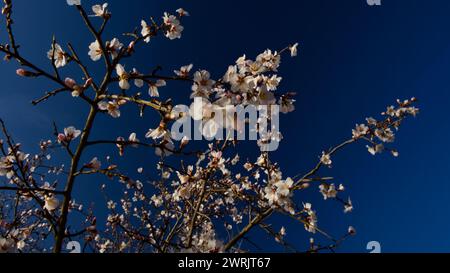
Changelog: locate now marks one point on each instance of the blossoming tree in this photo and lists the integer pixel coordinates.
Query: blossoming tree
(210, 205)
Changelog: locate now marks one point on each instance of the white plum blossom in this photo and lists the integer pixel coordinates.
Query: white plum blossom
(325, 159)
(239, 82)
(278, 193)
(95, 51)
(377, 149)
(184, 71)
(181, 12)
(287, 105)
(57, 54)
(328, 191)
(269, 60)
(183, 178)
(137, 81)
(360, 131)
(157, 201)
(385, 135)
(146, 31)
(170, 19)
(101, 10)
(202, 84)
(112, 107)
(294, 50)
(51, 203)
(183, 192)
(271, 82)
(113, 47)
(371, 121)
(271, 195)
(74, 2)
(262, 161)
(70, 133)
(159, 133)
(95, 164)
(7, 245)
(133, 138)
(265, 97)
(218, 162)
(311, 218)
(123, 77)
(284, 187)
(153, 88)
(173, 27)
(6, 166)
(348, 207)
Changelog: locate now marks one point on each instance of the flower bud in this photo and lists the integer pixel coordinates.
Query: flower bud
(184, 142)
(88, 83)
(62, 138)
(24, 73)
(70, 83)
(351, 231)
(76, 93)
(305, 186)
(131, 46)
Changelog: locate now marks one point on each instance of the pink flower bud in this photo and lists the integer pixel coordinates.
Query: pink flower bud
(88, 82)
(131, 46)
(120, 146)
(21, 72)
(24, 73)
(351, 231)
(70, 83)
(62, 138)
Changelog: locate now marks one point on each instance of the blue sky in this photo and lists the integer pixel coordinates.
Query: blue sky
(354, 60)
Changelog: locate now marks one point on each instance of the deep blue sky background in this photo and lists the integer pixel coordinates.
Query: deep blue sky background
(354, 60)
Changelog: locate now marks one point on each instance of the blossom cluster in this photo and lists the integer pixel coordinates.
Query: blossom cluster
(380, 133)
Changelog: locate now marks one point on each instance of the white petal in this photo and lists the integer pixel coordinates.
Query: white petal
(124, 84)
